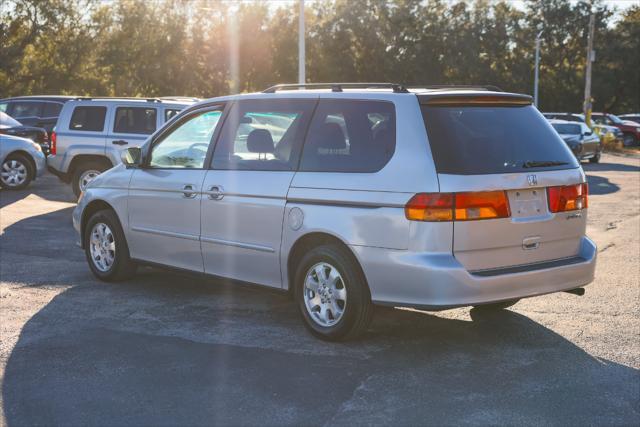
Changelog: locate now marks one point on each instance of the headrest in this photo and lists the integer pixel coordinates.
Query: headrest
(330, 137)
(260, 141)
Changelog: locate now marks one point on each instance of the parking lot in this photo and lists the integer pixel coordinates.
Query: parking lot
(172, 349)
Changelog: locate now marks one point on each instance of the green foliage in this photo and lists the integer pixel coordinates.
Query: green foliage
(182, 47)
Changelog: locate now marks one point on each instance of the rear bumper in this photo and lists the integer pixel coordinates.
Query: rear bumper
(41, 163)
(438, 281)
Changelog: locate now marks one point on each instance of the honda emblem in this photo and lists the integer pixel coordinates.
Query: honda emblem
(532, 179)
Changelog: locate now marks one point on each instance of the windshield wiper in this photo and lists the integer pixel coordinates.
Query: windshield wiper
(542, 163)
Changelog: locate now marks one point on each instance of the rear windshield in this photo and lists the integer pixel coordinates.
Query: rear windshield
(474, 140)
(566, 129)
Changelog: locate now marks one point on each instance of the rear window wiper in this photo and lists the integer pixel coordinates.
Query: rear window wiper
(542, 163)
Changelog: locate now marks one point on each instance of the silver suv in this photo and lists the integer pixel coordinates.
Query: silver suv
(351, 196)
(91, 133)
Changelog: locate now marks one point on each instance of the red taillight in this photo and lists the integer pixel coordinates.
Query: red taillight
(568, 197)
(430, 207)
(459, 206)
(54, 139)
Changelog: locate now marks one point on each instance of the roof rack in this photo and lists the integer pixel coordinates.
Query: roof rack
(459, 87)
(179, 98)
(89, 98)
(338, 87)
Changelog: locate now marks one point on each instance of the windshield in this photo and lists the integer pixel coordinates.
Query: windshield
(8, 121)
(615, 119)
(469, 140)
(566, 129)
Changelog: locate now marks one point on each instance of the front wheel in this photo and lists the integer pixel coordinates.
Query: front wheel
(106, 248)
(15, 172)
(628, 140)
(332, 294)
(595, 158)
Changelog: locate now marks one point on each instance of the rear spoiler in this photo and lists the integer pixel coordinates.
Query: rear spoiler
(475, 99)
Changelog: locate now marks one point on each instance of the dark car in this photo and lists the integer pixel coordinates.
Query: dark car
(38, 111)
(10, 126)
(630, 129)
(569, 117)
(582, 141)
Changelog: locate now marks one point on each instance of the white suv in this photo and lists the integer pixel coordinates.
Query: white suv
(350, 197)
(91, 132)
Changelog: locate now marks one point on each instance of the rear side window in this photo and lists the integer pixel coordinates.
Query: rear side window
(350, 136)
(51, 109)
(26, 109)
(170, 114)
(263, 135)
(135, 120)
(88, 119)
(470, 140)
(567, 129)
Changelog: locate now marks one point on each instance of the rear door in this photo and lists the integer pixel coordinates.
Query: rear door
(131, 125)
(493, 147)
(83, 128)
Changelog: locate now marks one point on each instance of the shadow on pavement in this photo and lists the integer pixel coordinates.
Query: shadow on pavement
(599, 185)
(610, 167)
(47, 187)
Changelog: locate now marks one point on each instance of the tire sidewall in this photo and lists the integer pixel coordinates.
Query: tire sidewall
(353, 280)
(27, 165)
(75, 184)
(122, 251)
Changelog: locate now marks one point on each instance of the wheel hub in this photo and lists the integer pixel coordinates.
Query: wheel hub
(325, 295)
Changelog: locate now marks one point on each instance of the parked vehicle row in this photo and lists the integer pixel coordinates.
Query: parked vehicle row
(626, 131)
(583, 142)
(10, 126)
(349, 196)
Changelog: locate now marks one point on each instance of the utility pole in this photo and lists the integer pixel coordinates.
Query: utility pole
(591, 56)
(301, 46)
(535, 84)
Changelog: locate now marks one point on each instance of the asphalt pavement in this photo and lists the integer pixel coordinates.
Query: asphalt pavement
(174, 349)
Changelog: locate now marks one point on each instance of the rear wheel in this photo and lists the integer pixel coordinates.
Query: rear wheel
(595, 158)
(106, 248)
(85, 173)
(15, 172)
(496, 305)
(628, 140)
(332, 294)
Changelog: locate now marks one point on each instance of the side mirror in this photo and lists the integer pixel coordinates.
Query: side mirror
(588, 133)
(131, 157)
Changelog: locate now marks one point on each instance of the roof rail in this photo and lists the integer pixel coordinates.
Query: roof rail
(90, 98)
(179, 98)
(338, 87)
(459, 87)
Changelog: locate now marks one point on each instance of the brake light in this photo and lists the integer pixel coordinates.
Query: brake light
(54, 139)
(459, 206)
(568, 197)
(482, 205)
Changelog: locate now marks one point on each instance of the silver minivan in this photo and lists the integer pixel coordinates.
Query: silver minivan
(350, 196)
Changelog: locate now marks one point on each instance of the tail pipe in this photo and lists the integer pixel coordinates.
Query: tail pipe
(576, 291)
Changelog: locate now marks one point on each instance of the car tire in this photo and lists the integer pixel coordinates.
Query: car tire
(595, 158)
(106, 248)
(628, 140)
(343, 281)
(84, 172)
(16, 172)
(496, 305)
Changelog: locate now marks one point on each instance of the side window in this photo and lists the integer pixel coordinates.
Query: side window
(26, 109)
(3, 106)
(263, 135)
(88, 119)
(51, 109)
(135, 120)
(170, 114)
(350, 136)
(186, 146)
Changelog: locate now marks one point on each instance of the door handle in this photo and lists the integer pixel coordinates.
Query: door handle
(188, 191)
(120, 142)
(215, 192)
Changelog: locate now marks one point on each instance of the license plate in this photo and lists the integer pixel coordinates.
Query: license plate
(528, 203)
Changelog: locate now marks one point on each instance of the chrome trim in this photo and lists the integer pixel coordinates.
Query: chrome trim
(165, 233)
(237, 244)
(354, 204)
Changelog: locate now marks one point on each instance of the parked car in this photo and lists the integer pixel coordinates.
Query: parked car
(349, 197)
(10, 126)
(630, 129)
(599, 128)
(583, 142)
(91, 133)
(38, 111)
(635, 117)
(569, 117)
(21, 161)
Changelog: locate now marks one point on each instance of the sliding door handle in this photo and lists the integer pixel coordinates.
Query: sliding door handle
(215, 192)
(120, 142)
